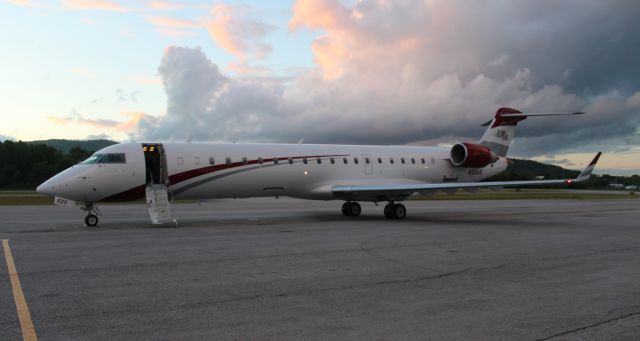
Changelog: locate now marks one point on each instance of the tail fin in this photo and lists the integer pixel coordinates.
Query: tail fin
(502, 128)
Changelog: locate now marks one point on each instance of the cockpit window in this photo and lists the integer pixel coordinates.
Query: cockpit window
(106, 158)
(92, 159)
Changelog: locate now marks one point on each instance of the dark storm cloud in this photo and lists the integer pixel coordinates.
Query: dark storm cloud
(410, 72)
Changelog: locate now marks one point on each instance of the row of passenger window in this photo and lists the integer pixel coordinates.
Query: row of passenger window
(318, 160)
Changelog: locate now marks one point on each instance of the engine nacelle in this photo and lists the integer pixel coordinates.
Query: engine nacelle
(470, 155)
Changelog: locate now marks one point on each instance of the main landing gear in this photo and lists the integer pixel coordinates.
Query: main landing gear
(92, 214)
(395, 211)
(351, 209)
(391, 210)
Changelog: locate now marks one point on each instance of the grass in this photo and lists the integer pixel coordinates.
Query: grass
(18, 198)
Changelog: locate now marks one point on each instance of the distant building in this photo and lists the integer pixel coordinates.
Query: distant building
(540, 177)
(631, 187)
(616, 185)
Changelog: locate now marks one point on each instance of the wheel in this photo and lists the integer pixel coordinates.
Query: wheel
(91, 220)
(399, 211)
(346, 209)
(387, 211)
(355, 209)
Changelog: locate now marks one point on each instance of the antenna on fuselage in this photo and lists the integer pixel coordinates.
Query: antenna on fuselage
(300, 141)
(190, 139)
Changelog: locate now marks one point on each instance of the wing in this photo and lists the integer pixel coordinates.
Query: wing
(402, 191)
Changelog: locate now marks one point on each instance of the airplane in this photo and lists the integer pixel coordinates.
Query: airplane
(162, 172)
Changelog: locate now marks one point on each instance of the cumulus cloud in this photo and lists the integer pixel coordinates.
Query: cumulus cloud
(237, 33)
(410, 72)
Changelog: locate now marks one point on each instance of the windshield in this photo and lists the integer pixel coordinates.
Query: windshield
(105, 158)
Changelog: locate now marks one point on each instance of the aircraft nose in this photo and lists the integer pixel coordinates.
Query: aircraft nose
(46, 188)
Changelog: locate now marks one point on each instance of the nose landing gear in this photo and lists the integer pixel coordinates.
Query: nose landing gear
(92, 214)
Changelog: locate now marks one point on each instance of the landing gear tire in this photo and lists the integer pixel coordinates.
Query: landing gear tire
(351, 209)
(399, 211)
(91, 220)
(92, 214)
(355, 209)
(387, 211)
(346, 209)
(395, 211)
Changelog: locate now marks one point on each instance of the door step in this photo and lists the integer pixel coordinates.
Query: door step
(158, 204)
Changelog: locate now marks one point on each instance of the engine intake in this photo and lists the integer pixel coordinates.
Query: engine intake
(470, 155)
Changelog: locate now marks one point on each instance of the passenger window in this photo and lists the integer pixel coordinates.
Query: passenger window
(391, 160)
(332, 160)
(402, 160)
(355, 160)
(345, 160)
(366, 160)
(228, 159)
(260, 160)
(379, 160)
(422, 160)
(180, 160)
(212, 161)
(196, 160)
(305, 161)
(413, 161)
(291, 160)
(319, 161)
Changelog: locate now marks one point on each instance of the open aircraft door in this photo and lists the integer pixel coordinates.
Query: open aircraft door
(157, 183)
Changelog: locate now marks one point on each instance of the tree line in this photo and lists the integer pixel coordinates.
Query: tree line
(26, 165)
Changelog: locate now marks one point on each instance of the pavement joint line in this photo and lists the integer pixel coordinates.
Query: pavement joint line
(28, 330)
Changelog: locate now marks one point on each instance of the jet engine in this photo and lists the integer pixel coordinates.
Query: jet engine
(470, 155)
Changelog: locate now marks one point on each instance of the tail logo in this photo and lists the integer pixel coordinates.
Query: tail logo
(502, 135)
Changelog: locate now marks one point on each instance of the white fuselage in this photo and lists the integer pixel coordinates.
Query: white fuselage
(207, 171)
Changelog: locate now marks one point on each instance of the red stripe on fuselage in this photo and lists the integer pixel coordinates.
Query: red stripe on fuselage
(194, 173)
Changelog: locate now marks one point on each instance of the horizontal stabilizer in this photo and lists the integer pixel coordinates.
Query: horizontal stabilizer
(524, 114)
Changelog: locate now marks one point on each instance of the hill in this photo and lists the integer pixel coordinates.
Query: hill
(519, 169)
(66, 145)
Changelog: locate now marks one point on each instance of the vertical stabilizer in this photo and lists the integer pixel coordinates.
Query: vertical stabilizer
(501, 130)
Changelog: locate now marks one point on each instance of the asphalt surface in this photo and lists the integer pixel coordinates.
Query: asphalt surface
(288, 269)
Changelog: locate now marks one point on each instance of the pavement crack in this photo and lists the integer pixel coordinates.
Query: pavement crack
(593, 325)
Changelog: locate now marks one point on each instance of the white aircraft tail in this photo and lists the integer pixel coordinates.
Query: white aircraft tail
(502, 127)
(158, 204)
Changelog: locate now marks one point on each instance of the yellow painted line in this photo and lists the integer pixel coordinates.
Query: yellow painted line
(28, 331)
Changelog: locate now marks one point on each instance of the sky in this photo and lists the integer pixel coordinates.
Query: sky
(327, 71)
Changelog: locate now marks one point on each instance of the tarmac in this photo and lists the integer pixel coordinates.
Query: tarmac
(266, 269)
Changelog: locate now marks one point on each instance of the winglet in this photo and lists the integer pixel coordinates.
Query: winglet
(586, 173)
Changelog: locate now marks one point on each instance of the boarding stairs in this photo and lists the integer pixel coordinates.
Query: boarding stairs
(158, 204)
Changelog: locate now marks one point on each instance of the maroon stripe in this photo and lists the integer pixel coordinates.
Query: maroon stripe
(193, 173)
(132, 194)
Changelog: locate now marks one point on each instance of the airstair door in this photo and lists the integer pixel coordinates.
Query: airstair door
(157, 184)
(158, 204)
